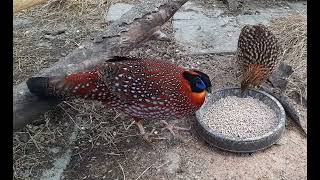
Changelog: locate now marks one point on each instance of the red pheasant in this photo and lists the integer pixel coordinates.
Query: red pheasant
(143, 88)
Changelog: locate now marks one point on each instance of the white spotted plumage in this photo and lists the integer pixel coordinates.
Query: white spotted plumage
(147, 89)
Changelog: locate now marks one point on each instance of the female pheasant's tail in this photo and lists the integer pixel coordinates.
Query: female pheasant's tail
(86, 85)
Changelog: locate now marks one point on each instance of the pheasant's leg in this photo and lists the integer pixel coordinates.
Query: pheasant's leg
(171, 127)
(142, 130)
(140, 127)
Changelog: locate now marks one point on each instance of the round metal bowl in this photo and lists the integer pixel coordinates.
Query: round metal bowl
(240, 145)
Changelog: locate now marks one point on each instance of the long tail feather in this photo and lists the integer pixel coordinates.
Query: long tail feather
(85, 85)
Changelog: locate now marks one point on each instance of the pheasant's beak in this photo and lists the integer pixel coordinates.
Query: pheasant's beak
(244, 92)
(209, 90)
(244, 89)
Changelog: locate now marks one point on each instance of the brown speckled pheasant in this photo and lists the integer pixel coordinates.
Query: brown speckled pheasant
(142, 88)
(258, 55)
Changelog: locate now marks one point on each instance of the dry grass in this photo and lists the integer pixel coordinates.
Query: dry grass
(292, 34)
(79, 6)
(32, 145)
(34, 50)
(97, 127)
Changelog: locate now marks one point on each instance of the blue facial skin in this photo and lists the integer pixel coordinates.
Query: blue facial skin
(200, 85)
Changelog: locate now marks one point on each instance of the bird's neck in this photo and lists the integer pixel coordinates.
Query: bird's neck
(255, 74)
(195, 98)
(198, 98)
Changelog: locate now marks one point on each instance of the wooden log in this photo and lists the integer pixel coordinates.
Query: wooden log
(135, 27)
(297, 113)
(19, 5)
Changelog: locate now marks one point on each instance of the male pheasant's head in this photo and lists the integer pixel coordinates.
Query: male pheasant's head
(199, 82)
(199, 85)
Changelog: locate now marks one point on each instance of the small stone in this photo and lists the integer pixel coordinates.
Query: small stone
(166, 56)
(54, 33)
(174, 160)
(247, 13)
(44, 44)
(21, 22)
(116, 11)
(35, 128)
(41, 139)
(233, 5)
(24, 137)
(59, 29)
(54, 150)
(49, 37)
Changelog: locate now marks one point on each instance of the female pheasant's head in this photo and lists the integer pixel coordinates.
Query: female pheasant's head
(199, 85)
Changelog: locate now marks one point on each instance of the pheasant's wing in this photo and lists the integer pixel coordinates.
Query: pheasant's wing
(134, 80)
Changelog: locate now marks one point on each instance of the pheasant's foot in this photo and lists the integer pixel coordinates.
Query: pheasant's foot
(171, 127)
(145, 136)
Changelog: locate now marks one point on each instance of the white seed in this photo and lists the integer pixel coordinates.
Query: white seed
(240, 117)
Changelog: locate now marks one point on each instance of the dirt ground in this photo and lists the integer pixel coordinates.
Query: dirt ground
(106, 146)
